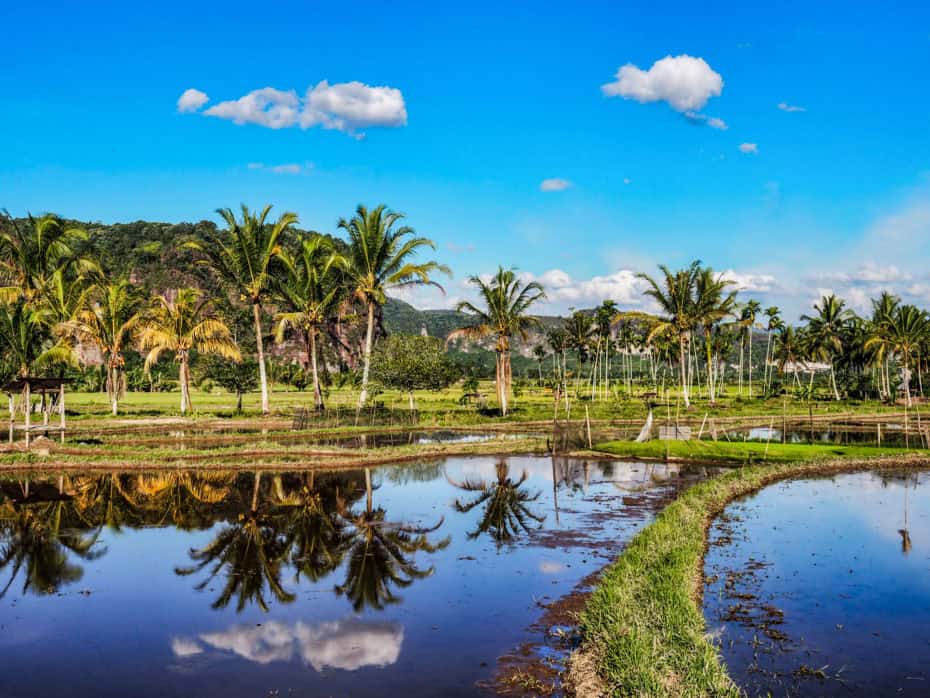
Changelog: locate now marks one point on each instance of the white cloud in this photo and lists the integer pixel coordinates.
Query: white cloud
(627, 180)
(866, 274)
(290, 168)
(346, 107)
(684, 82)
(345, 644)
(718, 124)
(712, 121)
(191, 100)
(749, 148)
(555, 184)
(349, 106)
(790, 107)
(265, 107)
(753, 283)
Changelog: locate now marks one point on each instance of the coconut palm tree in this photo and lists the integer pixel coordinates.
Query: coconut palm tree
(884, 309)
(748, 321)
(32, 252)
(245, 256)
(381, 259)
(908, 328)
(110, 324)
(774, 323)
(825, 332)
(311, 292)
(179, 323)
(712, 303)
(788, 350)
(675, 298)
(580, 331)
(506, 300)
(25, 337)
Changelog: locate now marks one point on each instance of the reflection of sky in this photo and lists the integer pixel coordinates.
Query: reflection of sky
(851, 596)
(146, 630)
(344, 644)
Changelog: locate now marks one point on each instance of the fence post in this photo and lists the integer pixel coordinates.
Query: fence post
(587, 421)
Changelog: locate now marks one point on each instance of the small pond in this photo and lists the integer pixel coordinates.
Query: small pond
(822, 586)
(445, 577)
(884, 434)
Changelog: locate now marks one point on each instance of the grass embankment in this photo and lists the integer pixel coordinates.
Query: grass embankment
(643, 627)
(743, 452)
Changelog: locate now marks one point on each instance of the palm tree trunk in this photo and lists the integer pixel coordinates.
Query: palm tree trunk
(185, 386)
(369, 338)
(683, 368)
(317, 392)
(708, 350)
(836, 393)
(259, 345)
(749, 361)
(113, 389)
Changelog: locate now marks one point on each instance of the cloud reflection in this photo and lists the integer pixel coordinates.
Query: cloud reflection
(348, 644)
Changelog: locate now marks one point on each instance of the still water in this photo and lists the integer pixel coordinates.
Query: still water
(822, 586)
(396, 580)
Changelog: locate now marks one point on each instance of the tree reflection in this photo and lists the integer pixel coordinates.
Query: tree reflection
(36, 543)
(317, 538)
(506, 515)
(250, 552)
(381, 554)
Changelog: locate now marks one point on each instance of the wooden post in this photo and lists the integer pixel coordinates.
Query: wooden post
(587, 421)
(27, 406)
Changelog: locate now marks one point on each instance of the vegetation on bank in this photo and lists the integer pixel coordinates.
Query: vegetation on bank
(743, 452)
(643, 628)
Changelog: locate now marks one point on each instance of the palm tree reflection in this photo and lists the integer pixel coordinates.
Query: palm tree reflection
(381, 554)
(506, 514)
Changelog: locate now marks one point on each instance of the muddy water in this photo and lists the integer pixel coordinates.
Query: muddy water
(405, 580)
(822, 586)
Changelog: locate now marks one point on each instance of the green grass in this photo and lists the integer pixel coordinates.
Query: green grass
(743, 452)
(643, 628)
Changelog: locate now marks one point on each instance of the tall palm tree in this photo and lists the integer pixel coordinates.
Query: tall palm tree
(788, 350)
(774, 322)
(380, 259)
(25, 337)
(245, 256)
(180, 323)
(825, 332)
(908, 328)
(675, 297)
(506, 300)
(110, 324)
(311, 291)
(580, 330)
(31, 253)
(884, 309)
(748, 321)
(712, 304)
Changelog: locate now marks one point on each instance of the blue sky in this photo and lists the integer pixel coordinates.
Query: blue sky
(485, 101)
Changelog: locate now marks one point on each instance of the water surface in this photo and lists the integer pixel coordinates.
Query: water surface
(395, 580)
(822, 586)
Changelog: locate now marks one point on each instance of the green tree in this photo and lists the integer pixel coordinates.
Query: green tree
(825, 332)
(245, 256)
(311, 292)
(180, 323)
(712, 304)
(506, 300)
(236, 377)
(380, 259)
(411, 362)
(675, 297)
(110, 324)
(904, 333)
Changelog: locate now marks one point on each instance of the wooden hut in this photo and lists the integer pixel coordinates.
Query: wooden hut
(21, 393)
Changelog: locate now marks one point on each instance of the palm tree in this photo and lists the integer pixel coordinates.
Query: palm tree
(25, 338)
(380, 259)
(675, 297)
(774, 323)
(748, 321)
(788, 350)
(884, 309)
(32, 253)
(712, 304)
(110, 324)
(580, 331)
(312, 292)
(244, 256)
(908, 328)
(179, 324)
(825, 332)
(506, 300)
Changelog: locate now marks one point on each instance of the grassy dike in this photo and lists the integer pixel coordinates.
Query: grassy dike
(643, 628)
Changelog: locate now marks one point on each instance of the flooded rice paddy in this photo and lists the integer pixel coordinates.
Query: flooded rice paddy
(822, 586)
(450, 577)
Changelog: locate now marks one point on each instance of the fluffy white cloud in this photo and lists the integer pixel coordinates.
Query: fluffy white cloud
(265, 107)
(790, 107)
(345, 644)
(749, 148)
(684, 82)
(349, 106)
(622, 286)
(346, 106)
(191, 100)
(702, 119)
(754, 283)
(866, 274)
(555, 184)
(718, 124)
